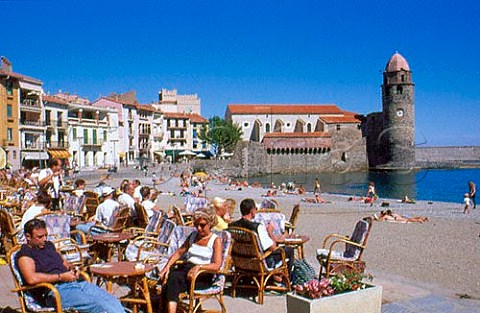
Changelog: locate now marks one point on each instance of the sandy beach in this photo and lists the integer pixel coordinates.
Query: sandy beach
(440, 254)
(438, 257)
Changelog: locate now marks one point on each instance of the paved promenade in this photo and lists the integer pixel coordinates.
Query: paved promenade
(398, 297)
(399, 293)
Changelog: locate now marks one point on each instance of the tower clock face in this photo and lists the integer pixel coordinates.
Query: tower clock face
(399, 112)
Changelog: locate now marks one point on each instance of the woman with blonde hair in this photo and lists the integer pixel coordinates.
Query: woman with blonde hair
(202, 251)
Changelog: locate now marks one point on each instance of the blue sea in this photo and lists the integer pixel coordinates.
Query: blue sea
(431, 185)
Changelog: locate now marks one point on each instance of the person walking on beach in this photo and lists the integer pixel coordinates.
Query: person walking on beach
(468, 204)
(316, 187)
(471, 193)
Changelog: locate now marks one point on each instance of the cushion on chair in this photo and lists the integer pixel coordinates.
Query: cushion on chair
(277, 218)
(358, 236)
(336, 255)
(30, 301)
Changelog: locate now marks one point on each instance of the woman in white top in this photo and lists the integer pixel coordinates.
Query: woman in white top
(203, 251)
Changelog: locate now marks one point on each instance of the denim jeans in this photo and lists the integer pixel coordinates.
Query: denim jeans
(87, 297)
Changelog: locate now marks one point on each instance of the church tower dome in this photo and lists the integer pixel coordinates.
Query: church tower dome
(397, 63)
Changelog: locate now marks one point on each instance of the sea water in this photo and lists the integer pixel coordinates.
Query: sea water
(447, 185)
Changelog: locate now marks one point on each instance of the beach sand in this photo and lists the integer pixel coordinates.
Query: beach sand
(410, 261)
(439, 255)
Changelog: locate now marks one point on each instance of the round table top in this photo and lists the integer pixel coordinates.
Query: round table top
(292, 239)
(124, 268)
(112, 237)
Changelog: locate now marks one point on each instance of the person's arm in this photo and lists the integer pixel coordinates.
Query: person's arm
(26, 266)
(216, 260)
(45, 177)
(174, 258)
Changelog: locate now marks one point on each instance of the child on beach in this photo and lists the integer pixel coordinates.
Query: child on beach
(468, 204)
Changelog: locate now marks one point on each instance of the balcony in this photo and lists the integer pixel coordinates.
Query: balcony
(92, 143)
(31, 124)
(7, 143)
(33, 146)
(57, 144)
(174, 127)
(31, 103)
(56, 124)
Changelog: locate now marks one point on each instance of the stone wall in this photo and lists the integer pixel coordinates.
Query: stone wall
(250, 159)
(348, 153)
(442, 157)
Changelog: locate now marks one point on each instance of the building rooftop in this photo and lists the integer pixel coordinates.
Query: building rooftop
(284, 109)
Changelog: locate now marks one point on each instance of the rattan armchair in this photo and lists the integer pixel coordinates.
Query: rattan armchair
(28, 303)
(333, 261)
(249, 263)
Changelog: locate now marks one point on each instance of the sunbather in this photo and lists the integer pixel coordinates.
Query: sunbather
(389, 216)
(316, 199)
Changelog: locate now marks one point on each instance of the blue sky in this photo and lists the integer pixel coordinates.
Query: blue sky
(257, 52)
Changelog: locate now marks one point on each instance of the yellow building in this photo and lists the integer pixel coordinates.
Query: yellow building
(22, 128)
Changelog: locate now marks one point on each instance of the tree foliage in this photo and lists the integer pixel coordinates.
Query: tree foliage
(221, 134)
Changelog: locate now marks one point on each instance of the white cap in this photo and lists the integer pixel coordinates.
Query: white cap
(107, 190)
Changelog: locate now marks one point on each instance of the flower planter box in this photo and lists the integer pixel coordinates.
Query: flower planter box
(368, 300)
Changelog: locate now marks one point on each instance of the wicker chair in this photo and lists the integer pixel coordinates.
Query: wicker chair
(24, 292)
(334, 261)
(180, 218)
(58, 228)
(120, 219)
(196, 297)
(8, 229)
(290, 225)
(145, 246)
(249, 262)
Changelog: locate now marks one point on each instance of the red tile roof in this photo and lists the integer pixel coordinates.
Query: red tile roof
(21, 77)
(194, 118)
(54, 99)
(284, 109)
(146, 107)
(346, 119)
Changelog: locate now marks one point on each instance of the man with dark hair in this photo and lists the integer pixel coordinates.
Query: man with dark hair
(39, 262)
(50, 179)
(248, 209)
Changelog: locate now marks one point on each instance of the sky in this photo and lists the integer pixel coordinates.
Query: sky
(253, 51)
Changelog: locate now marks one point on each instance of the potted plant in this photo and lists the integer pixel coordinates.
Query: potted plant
(345, 292)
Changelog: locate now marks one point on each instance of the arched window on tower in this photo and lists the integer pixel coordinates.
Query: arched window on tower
(403, 78)
(309, 128)
(267, 127)
(399, 90)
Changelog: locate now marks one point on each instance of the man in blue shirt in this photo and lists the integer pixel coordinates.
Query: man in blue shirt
(39, 262)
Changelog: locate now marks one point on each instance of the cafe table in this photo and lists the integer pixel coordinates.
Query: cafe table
(112, 241)
(294, 241)
(131, 274)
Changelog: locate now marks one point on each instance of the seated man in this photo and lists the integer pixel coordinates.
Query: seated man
(39, 262)
(248, 210)
(104, 214)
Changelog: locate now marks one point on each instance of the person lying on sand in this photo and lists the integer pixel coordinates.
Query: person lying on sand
(389, 216)
(316, 199)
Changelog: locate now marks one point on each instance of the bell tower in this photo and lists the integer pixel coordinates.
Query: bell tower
(397, 138)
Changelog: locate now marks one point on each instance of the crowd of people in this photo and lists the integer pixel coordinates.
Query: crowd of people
(202, 249)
